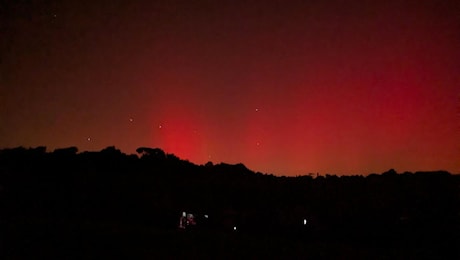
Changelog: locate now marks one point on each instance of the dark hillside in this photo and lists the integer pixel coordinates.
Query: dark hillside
(68, 204)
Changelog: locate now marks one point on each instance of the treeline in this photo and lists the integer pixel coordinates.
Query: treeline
(68, 192)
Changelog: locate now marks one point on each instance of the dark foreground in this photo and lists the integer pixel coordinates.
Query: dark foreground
(106, 205)
(150, 244)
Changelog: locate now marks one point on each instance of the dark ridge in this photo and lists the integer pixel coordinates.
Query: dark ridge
(70, 204)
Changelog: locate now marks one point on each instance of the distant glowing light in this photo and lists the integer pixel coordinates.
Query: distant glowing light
(234, 228)
(304, 221)
(183, 220)
(206, 216)
(131, 120)
(89, 139)
(257, 110)
(160, 126)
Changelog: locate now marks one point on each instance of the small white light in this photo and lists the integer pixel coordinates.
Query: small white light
(206, 216)
(304, 221)
(234, 228)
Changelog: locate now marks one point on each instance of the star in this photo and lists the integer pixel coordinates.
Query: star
(88, 139)
(131, 120)
(257, 110)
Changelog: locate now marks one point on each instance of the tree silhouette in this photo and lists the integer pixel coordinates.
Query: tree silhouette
(66, 196)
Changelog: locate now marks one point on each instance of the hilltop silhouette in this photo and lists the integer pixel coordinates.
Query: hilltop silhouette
(70, 204)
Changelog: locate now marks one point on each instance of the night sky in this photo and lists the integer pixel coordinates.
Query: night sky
(284, 87)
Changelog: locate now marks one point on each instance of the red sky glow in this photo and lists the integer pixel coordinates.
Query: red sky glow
(284, 87)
